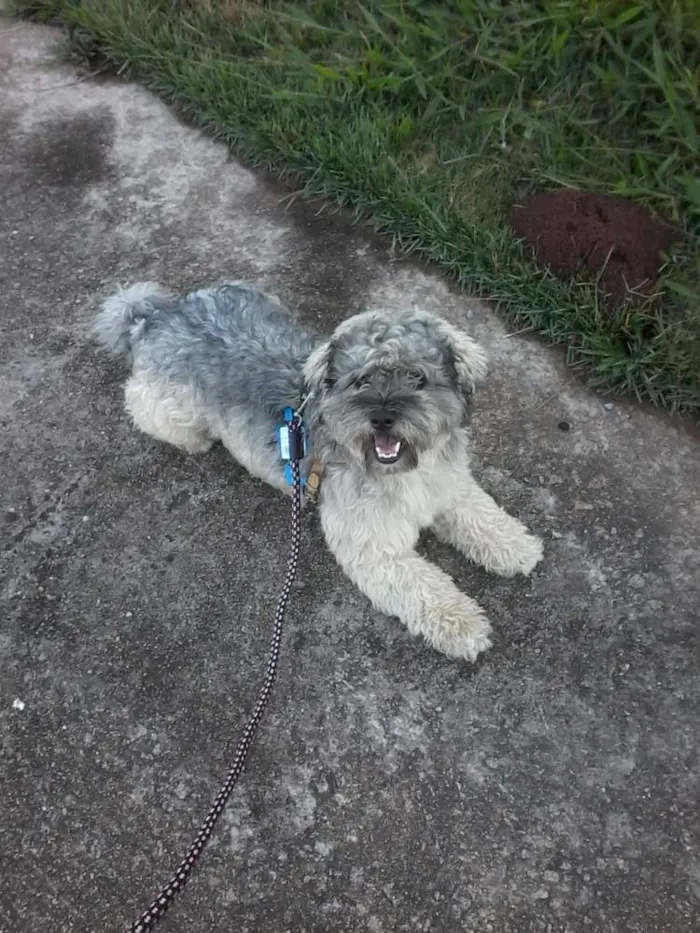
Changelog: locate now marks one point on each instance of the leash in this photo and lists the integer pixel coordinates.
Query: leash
(292, 440)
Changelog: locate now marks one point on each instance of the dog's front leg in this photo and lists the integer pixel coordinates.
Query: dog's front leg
(488, 535)
(400, 583)
(424, 598)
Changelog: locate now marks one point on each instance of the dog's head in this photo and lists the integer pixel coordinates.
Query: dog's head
(388, 387)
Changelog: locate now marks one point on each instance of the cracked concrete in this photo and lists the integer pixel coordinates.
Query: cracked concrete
(552, 787)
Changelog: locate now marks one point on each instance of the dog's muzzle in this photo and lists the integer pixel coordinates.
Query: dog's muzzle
(387, 449)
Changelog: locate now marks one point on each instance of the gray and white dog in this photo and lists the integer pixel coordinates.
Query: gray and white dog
(388, 409)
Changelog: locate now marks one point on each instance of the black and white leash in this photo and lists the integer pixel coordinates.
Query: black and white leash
(160, 905)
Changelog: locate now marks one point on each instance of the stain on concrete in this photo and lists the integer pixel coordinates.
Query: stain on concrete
(552, 787)
(69, 150)
(330, 263)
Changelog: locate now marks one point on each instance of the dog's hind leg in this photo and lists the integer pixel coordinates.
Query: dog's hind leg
(166, 413)
(476, 525)
(251, 442)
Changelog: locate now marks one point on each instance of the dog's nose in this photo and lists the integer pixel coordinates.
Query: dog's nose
(381, 419)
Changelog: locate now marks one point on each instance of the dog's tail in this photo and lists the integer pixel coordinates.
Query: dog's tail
(122, 317)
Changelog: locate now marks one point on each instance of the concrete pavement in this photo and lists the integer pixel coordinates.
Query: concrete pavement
(555, 786)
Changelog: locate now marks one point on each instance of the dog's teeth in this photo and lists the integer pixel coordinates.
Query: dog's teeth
(388, 451)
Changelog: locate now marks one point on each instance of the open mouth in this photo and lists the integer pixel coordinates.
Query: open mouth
(386, 449)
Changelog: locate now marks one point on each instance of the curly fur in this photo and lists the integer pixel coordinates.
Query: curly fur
(389, 402)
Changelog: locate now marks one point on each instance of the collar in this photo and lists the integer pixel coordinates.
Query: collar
(312, 485)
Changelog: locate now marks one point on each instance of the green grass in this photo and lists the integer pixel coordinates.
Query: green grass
(432, 119)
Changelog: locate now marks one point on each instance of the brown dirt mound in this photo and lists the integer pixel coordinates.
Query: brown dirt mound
(606, 238)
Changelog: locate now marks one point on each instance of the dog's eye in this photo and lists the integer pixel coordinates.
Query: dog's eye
(360, 383)
(419, 381)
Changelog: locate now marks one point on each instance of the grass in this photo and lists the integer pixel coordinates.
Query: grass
(432, 119)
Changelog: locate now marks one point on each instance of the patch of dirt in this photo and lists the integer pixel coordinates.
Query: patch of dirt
(610, 239)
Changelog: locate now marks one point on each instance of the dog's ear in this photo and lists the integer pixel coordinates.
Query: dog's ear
(468, 360)
(317, 369)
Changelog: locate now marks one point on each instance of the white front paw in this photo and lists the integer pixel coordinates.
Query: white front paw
(519, 553)
(528, 554)
(459, 629)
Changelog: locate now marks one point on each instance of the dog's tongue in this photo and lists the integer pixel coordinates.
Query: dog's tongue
(386, 447)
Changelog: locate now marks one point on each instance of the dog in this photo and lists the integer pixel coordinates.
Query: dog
(388, 405)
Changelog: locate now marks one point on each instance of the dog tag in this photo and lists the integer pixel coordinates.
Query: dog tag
(283, 441)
